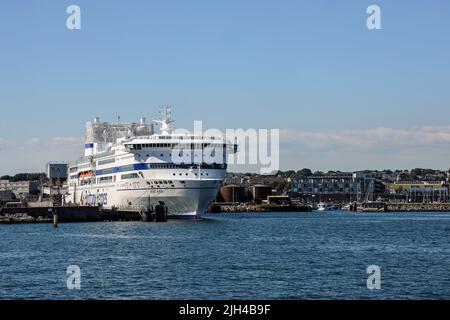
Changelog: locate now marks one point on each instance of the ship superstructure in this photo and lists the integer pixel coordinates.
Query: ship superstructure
(130, 167)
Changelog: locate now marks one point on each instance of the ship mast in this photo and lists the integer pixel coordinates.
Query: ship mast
(166, 123)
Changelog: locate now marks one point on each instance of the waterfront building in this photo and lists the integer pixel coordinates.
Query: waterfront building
(20, 188)
(420, 191)
(57, 171)
(5, 185)
(24, 188)
(340, 187)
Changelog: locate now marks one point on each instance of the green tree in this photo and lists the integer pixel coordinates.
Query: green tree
(304, 173)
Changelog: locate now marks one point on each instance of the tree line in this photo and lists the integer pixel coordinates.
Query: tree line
(25, 177)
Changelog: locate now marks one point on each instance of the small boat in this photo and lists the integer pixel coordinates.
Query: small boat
(327, 207)
(347, 207)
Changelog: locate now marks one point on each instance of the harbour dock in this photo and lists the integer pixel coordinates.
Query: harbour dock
(403, 207)
(57, 214)
(65, 214)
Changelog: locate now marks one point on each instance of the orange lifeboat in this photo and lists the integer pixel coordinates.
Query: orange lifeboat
(86, 174)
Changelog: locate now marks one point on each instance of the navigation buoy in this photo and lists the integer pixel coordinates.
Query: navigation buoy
(55, 220)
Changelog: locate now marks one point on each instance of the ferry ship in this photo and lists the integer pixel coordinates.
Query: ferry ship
(130, 167)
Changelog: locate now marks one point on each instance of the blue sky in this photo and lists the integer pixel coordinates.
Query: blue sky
(310, 68)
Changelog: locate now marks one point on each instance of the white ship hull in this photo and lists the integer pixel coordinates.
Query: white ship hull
(188, 200)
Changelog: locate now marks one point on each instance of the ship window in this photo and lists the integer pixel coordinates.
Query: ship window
(105, 179)
(108, 161)
(129, 176)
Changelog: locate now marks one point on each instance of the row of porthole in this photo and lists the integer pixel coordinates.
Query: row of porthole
(164, 182)
(158, 186)
(161, 182)
(196, 174)
(158, 183)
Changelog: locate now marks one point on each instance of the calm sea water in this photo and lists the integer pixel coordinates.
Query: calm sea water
(234, 256)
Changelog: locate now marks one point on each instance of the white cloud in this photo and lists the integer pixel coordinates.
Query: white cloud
(377, 148)
(368, 139)
(31, 155)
